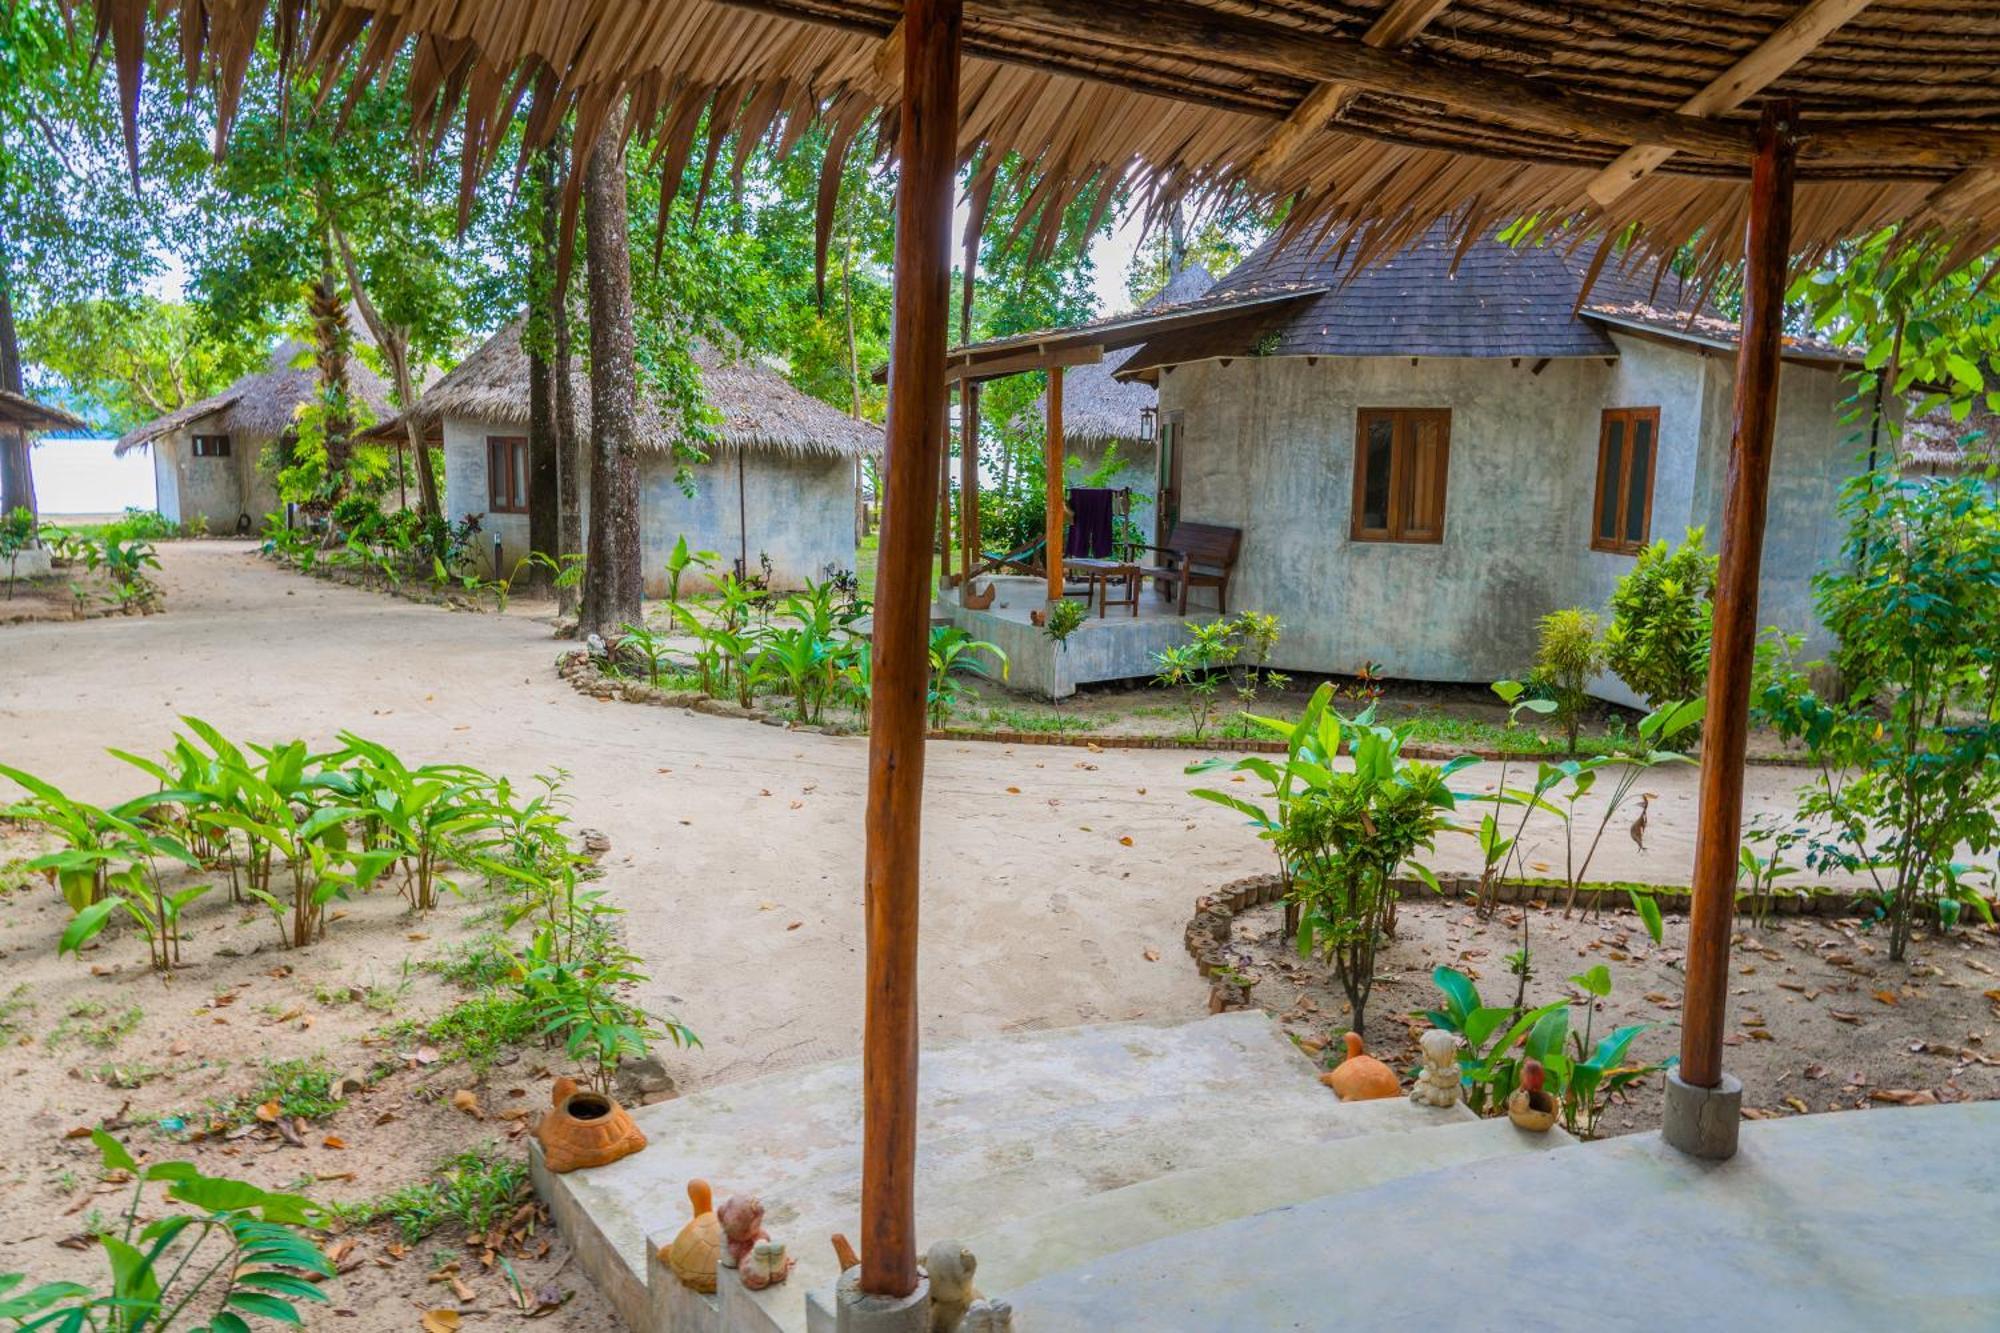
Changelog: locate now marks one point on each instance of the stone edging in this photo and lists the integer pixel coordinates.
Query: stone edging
(1209, 930)
(422, 594)
(586, 679)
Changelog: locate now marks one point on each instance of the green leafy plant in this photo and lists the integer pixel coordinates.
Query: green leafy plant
(232, 1254)
(680, 560)
(1583, 1072)
(1495, 847)
(1657, 642)
(1198, 668)
(1909, 763)
(1568, 655)
(1062, 619)
(955, 653)
(17, 534)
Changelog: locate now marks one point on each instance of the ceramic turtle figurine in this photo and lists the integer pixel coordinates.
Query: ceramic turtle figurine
(692, 1255)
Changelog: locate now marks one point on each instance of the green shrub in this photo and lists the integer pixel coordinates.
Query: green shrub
(1660, 622)
(1570, 652)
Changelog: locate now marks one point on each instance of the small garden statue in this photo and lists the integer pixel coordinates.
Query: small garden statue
(694, 1253)
(1361, 1077)
(950, 1267)
(1437, 1081)
(1531, 1107)
(767, 1265)
(988, 1317)
(742, 1218)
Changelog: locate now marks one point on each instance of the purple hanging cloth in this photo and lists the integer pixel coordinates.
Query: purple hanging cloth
(1090, 524)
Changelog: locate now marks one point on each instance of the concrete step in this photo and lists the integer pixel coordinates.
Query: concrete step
(1007, 1128)
(1856, 1220)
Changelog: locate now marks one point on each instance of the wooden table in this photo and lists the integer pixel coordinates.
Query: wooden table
(1101, 574)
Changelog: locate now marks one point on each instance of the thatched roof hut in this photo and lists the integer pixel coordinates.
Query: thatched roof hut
(759, 409)
(1934, 442)
(263, 405)
(23, 413)
(1099, 408)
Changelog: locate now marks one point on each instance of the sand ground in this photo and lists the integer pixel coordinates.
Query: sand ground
(1057, 881)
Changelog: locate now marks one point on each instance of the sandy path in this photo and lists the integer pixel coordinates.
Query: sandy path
(724, 834)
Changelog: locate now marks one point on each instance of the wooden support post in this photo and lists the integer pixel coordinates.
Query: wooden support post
(928, 144)
(968, 479)
(1052, 529)
(1726, 724)
(944, 498)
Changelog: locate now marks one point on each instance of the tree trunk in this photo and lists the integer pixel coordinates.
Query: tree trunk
(569, 460)
(331, 340)
(612, 593)
(543, 488)
(853, 385)
(394, 342)
(17, 475)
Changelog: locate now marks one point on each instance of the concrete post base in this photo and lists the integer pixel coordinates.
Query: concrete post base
(1703, 1122)
(859, 1312)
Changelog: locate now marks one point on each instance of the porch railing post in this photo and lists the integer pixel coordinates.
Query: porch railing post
(1703, 1104)
(928, 145)
(1052, 530)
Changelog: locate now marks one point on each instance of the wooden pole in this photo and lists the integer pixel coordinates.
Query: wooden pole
(944, 498)
(1052, 529)
(928, 144)
(1727, 722)
(968, 479)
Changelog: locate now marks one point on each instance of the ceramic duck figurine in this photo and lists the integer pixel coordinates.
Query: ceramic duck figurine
(1437, 1084)
(1361, 1077)
(1529, 1106)
(693, 1254)
(843, 1253)
(988, 1317)
(584, 1129)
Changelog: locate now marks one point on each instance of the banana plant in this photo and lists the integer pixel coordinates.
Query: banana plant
(680, 560)
(136, 887)
(89, 833)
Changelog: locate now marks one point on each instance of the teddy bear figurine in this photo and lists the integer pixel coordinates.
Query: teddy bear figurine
(1437, 1081)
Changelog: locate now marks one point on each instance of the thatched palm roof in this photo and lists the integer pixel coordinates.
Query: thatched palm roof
(1380, 116)
(759, 408)
(24, 413)
(262, 405)
(1098, 408)
(1934, 442)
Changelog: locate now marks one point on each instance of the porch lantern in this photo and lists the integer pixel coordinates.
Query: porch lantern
(1149, 423)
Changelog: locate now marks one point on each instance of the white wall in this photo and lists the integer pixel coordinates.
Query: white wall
(1269, 447)
(797, 509)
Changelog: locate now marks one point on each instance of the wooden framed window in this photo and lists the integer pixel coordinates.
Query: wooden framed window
(1400, 461)
(1627, 457)
(506, 474)
(211, 446)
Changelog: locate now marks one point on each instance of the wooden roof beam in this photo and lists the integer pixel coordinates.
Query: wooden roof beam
(1792, 41)
(1400, 21)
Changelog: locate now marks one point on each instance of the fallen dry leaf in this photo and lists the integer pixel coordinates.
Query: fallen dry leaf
(1798, 1104)
(333, 1141)
(795, 925)
(466, 1100)
(1152, 955)
(1125, 841)
(1841, 1016)
(1903, 1096)
(269, 1112)
(1885, 996)
(439, 1321)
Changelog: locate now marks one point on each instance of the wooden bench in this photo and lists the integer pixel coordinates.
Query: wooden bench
(1197, 555)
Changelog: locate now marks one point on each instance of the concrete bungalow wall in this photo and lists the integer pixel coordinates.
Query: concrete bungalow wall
(1268, 446)
(798, 509)
(218, 489)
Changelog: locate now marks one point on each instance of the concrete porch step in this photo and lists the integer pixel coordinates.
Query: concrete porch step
(1855, 1220)
(1008, 1128)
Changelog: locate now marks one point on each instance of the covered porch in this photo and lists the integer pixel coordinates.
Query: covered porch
(1121, 645)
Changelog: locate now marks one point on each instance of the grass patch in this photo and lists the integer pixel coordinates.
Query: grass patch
(1476, 735)
(303, 1088)
(473, 1190)
(1022, 719)
(12, 1010)
(91, 1024)
(484, 1026)
(479, 963)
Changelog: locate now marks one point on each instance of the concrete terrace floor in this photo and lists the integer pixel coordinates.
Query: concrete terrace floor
(1883, 1220)
(723, 833)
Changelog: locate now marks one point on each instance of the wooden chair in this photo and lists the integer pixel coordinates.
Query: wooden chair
(1197, 555)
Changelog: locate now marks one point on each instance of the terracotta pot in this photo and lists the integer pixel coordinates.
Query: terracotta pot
(1361, 1078)
(585, 1129)
(1533, 1110)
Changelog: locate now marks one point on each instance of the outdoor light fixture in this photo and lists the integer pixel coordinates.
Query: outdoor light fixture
(496, 555)
(1149, 422)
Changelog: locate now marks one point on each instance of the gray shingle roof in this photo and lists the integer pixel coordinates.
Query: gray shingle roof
(1497, 301)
